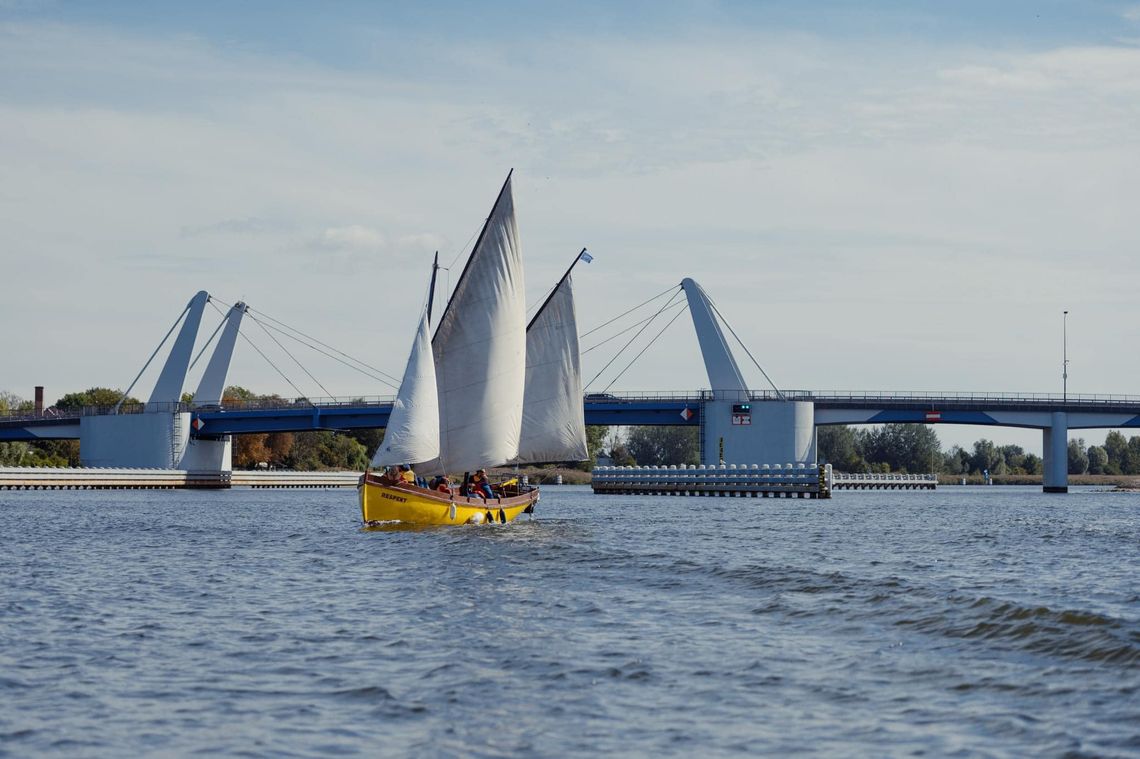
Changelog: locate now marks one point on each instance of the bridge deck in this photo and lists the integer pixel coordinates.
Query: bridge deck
(640, 408)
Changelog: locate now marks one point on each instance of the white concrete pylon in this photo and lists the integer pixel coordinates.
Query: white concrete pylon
(213, 382)
(168, 389)
(724, 375)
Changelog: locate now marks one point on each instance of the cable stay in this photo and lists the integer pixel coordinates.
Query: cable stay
(647, 347)
(724, 321)
(676, 291)
(630, 311)
(635, 325)
(290, 355)
(287, 331)
(270, 362)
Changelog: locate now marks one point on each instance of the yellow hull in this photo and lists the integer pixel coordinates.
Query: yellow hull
(381, 502)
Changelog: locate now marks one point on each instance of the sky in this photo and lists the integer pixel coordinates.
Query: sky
(897, 196)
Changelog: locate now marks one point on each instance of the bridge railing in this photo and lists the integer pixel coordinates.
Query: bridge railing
(933, 398)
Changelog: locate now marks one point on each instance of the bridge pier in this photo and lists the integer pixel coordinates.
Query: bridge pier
(1055, 445)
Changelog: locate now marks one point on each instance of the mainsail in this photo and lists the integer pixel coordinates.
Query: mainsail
(553, 424)
(480, 352)
(412, 433)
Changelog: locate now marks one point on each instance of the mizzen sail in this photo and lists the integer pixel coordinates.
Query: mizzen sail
(553, 425)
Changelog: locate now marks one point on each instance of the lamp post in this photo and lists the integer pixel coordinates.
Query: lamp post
(1065, 357)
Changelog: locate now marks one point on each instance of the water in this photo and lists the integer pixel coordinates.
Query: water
(972, 622)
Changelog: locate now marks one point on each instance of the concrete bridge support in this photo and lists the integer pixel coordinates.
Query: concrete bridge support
(1055, 445)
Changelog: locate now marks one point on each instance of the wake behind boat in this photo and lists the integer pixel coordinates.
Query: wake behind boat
(486, 390)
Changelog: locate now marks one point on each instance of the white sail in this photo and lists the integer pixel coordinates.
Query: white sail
(553, 424)
(412, 433)
(480, 352)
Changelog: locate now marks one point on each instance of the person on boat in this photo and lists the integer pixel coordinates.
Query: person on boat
(480, 484)
(441, 484)
(407, 476)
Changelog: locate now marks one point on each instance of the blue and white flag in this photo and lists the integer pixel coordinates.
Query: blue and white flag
(586, 257)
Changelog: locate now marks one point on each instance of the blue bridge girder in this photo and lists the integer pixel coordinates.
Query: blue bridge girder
(662, 408)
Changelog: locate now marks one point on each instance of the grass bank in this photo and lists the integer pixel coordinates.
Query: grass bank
(1120, 481)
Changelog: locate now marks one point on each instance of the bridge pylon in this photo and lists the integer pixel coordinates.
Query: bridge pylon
(737, 425)
(159, 436)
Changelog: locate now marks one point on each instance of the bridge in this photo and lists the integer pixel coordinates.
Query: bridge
(676, 408)
(737, 424)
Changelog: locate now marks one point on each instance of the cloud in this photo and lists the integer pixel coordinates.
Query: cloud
(354, 237)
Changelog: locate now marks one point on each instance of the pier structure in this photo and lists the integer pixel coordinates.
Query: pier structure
(883, 481)
(129, 478)
(724, 480)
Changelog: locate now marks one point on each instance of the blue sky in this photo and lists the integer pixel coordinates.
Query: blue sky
(892, 195)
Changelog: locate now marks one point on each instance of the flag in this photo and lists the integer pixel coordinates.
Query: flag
(586, 257)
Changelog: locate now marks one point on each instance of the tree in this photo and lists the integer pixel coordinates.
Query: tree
(1014, 456)
(235, 394)
(902, 447)
(323, 449)
(1131, 462)
(249, 450)
(595, 441)
(1115, 445)
(1033, 464)
(836, 446)
(986, 457)
(9, 402)
(664, 446)
(93, 396)
(956, 460)
(1098, 459)
(1078, 459)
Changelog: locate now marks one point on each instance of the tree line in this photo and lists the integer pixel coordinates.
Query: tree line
(915, 448)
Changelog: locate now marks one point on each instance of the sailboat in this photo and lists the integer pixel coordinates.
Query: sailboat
(487, 390)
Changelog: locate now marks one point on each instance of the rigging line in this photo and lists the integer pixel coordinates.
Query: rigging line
(651, 342)
(156, 350)
(460, 251)
(546, 294)
(268, 361)
(212, 336)
(323, 345)
(627, 329)
(611, 321)
(290, 355)
(334, 358)
(622, 349)
(779, 393)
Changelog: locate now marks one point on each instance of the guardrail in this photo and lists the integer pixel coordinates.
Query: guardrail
(925, 398)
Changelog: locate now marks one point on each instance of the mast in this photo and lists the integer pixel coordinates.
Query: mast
(475, 247)
(431, 287)
(534, 318)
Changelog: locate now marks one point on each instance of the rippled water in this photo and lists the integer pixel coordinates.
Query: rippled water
(995, 622)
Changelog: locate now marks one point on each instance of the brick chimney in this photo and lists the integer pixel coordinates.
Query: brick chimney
(39, 399)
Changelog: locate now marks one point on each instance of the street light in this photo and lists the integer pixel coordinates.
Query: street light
(1065, 356)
